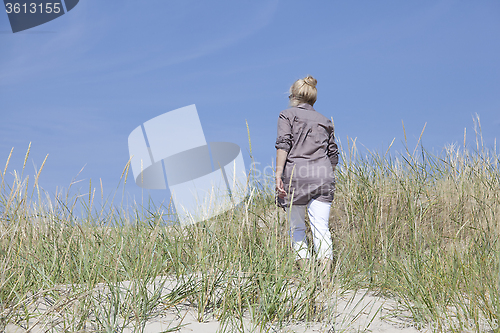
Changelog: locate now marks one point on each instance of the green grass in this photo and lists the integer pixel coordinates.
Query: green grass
(420, 229)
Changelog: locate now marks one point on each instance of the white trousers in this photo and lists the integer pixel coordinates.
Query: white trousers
(319, 213)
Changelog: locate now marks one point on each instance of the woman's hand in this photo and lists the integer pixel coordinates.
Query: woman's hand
(279, 187)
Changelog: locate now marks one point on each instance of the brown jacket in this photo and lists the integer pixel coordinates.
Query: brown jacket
(309, 139)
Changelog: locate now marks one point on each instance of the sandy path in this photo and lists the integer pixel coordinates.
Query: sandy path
(354, 312)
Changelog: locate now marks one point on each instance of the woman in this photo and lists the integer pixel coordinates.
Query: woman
(306, 158)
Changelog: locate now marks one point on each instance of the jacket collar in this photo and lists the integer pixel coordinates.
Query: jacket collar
(306, 106)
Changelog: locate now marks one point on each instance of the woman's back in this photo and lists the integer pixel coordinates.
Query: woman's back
(310, 132)
(308, 138)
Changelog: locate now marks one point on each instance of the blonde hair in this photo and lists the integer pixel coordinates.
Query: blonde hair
(303, 91)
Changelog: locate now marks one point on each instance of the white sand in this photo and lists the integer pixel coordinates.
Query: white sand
(358, 312)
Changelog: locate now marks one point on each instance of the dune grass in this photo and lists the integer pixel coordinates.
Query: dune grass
(418, 228)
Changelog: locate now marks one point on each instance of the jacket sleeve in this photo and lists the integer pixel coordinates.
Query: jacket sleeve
(333, 151)
(284, 139)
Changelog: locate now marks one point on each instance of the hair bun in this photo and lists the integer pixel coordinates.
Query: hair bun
(309, 80)
(303, 91)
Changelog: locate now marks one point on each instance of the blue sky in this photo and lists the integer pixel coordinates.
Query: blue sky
(77, 86)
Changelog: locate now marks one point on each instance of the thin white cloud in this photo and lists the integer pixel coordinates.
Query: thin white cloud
(393, 30)
(31, 56)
